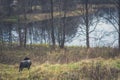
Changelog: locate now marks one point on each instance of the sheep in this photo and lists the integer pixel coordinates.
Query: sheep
(26, 63)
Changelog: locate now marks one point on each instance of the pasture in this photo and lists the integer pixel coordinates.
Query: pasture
(72, 63)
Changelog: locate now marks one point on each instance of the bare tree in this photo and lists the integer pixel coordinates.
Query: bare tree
(66, 26)
(62, 23)
(113, 17)
(88, 21)
(52, 24)
(118, 7)
(23, 7)
(86, 24)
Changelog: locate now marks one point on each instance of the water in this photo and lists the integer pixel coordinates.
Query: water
(104, 35)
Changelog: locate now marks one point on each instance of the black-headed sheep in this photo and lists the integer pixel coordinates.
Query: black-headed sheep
(26, 63)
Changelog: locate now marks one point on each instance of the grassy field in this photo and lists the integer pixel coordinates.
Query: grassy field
(89, 69)
(72, 63)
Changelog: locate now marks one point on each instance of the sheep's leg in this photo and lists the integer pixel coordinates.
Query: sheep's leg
(28, 67)
(20, 69)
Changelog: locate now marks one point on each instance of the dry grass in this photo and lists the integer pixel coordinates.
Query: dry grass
(71, 63)
(43, 53)
(89, 69)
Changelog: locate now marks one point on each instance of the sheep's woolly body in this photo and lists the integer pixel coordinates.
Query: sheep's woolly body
(25, 61)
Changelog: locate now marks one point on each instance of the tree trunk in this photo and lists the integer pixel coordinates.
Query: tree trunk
(25, 26)
(63, 30)
(87, 26)
(8, 6)
(119, 24)
(25, 35)
(20, 37)
(63, 37)
(1, 39)
(52, 26)
(10, 35)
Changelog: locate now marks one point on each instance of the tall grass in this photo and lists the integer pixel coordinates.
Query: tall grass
(43, 53)
(71, 63)
(89, 69)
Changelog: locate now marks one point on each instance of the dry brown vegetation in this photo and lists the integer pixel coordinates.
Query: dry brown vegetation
(71, 63)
